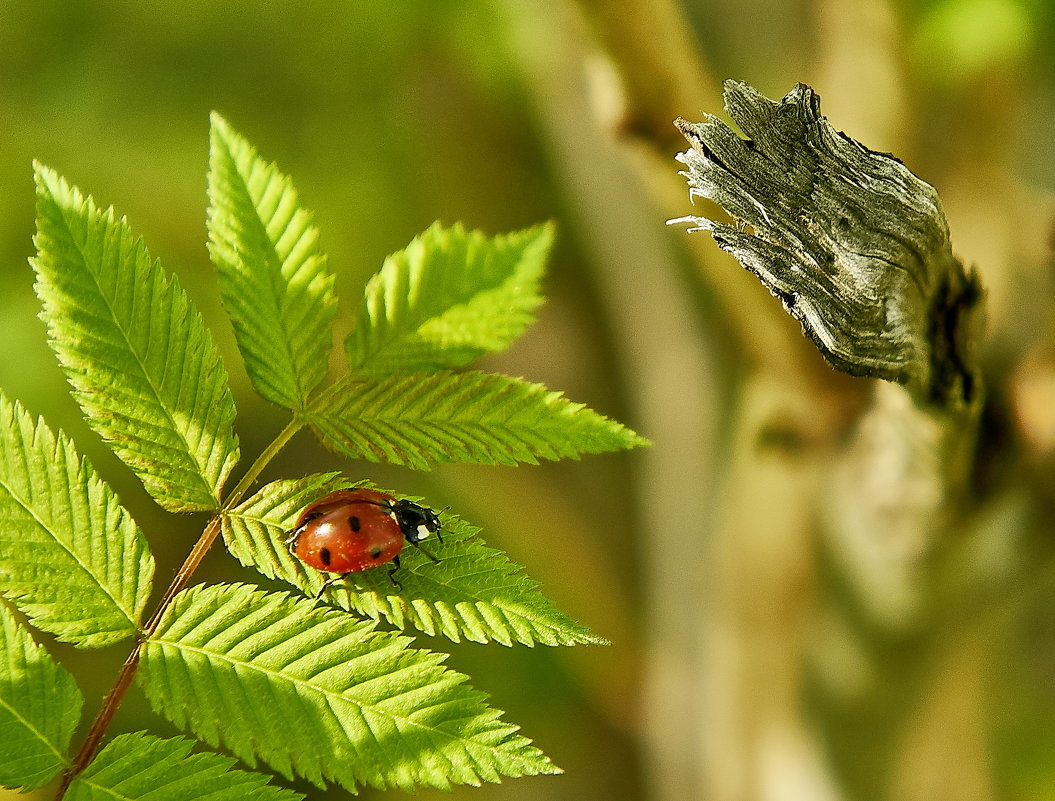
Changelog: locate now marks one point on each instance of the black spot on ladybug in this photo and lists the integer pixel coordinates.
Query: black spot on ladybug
(375, 552)
(324, 555)
(353, 523)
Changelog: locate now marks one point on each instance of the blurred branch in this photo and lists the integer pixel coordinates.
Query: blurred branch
(858, 250)
(661, 77)
(659, 66)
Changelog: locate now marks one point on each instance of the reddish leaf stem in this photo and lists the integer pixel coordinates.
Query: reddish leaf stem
(113, 700)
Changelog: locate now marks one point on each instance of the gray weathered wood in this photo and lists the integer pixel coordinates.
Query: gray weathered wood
(854, 245)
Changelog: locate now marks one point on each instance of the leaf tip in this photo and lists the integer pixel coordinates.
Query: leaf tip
(220, 128)
(635, 440)
(548, 230)
(46, 178)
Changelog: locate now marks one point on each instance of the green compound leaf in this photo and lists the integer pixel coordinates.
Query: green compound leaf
(139, 766)
(39, 708)
(71, 558)
(451, 296)
(273, 278)
(483, 418)
(473, 592)
(315, 692)
(142, 364)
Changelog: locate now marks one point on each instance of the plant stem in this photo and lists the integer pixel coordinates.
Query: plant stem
(102, 720)
(262, 461)
(90, 747)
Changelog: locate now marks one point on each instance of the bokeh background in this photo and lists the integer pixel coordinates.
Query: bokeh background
(503, 113)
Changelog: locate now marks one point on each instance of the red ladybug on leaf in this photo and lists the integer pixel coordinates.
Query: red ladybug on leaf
(349, 531)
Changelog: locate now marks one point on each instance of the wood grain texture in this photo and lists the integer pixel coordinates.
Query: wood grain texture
(855, 246)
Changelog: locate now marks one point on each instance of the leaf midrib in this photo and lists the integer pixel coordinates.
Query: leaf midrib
(41, 524)
(136, 250)
(331, 695)
(271, 255)
(32, 728)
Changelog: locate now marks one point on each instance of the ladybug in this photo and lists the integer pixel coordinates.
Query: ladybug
(349, 531)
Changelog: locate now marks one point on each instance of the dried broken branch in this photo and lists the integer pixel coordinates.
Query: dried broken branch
(854, 245)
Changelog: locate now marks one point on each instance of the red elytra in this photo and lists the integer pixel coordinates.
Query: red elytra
(348, 531)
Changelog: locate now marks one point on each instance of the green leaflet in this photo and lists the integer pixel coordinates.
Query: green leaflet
(312, 691)
(474, 592)
(71, 558)
(140, 766)
(449, 297)
(273, 278)
(143, 366)
(421, 420)
(39, 708)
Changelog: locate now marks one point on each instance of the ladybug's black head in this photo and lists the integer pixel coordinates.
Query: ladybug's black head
(415, 521)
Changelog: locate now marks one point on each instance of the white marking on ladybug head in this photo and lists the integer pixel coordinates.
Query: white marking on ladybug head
(423, 531)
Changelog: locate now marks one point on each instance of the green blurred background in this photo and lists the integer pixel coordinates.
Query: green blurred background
(502, 113)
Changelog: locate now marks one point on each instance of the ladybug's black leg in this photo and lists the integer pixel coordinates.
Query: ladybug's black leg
(332, 580)
(439, 525)
(429, 555)
(391, 574)
(291, 538)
